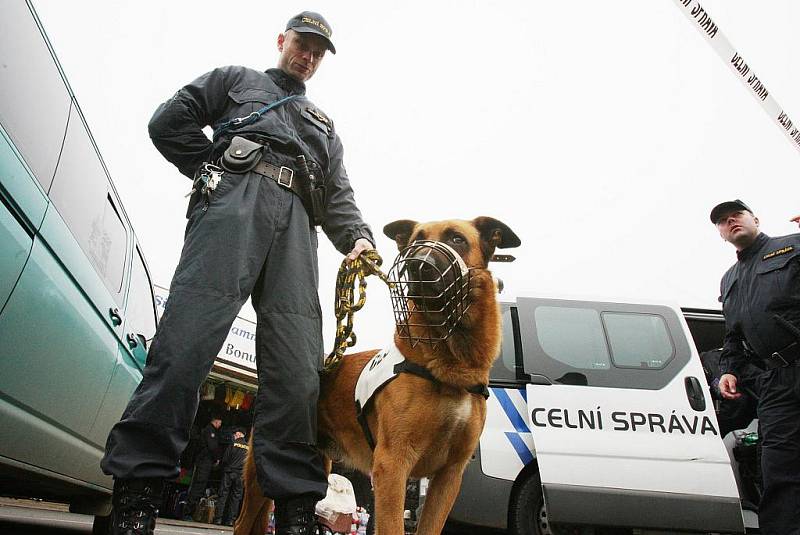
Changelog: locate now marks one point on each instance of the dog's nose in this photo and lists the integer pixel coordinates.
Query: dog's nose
(420, 270)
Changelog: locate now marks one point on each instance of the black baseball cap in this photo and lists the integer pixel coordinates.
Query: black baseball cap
(727, 207)
(310, 22)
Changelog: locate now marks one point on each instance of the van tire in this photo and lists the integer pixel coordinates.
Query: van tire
(527, 514)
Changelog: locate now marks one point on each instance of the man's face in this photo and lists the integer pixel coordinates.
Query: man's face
(301, 54)
(739, 227)
(216, 423)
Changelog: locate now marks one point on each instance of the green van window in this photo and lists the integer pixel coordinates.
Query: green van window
(83, 196)
(34, 101)
(140, 310)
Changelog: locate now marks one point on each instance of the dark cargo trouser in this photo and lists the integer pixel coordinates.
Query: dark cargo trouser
(779, 420)
(255, 238)
(230, 496)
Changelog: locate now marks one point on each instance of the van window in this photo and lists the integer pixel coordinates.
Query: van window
(595, 343)
(638, 340)
(34, 101)
(82, 194)
(505, 367)
(573, 336)
(140, 311)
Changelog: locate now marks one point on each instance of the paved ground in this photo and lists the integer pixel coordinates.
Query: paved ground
(33, 517)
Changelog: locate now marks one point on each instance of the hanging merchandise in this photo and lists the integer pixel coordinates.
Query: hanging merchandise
(207, 392)
(247, 401)
(238, 399)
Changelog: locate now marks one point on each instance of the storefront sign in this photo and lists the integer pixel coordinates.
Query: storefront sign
(239, 347)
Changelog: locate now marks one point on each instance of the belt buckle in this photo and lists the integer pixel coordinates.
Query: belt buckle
(286, 183)
(779, 357)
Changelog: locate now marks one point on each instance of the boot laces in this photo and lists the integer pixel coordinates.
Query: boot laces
(136, 511)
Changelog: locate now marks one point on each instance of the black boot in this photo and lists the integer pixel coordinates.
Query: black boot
(135, 506)
(295, 516)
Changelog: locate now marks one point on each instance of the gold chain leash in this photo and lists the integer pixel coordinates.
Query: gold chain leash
(366, 264)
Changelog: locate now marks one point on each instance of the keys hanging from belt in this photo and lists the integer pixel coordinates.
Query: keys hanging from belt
(208, 179)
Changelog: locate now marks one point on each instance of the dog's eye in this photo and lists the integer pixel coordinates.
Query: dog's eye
(458, 240)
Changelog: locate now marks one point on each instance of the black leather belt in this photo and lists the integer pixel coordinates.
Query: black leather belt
(788, 356)
(281, 174)
(286, 178)
(312, 196)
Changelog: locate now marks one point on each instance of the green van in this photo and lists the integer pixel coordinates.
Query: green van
(76, 300)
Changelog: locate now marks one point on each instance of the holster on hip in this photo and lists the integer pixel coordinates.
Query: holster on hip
(318, 205)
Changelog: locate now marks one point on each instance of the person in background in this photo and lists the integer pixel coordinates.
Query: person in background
(760, 297)
(230, 488)
(207, 457)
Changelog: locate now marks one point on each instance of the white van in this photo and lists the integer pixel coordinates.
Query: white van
(600, 417)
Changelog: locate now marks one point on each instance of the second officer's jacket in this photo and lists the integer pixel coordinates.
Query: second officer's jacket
(293, 128)
(235, 454)
(760, 297)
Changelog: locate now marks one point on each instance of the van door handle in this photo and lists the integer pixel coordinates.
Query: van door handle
(132, 342)
(537, 379)
(116, 317)
(694, 391)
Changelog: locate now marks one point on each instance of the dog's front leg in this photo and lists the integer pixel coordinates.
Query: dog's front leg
(389, 476)
(439, 500)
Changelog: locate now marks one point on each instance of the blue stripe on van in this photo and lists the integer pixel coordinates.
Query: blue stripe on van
(524, 453)
(511, 411)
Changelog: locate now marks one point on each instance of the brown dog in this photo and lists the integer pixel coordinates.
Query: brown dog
(421, 428)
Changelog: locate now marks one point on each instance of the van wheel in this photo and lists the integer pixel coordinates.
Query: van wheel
(527, 514)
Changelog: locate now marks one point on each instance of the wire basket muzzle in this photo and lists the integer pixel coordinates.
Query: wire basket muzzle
(429, 290)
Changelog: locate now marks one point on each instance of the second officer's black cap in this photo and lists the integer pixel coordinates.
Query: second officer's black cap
(311, 22)
(727, 207)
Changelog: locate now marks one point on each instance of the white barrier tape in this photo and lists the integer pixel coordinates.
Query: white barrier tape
(702, 21)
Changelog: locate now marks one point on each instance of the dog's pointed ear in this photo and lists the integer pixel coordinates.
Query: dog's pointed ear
(400, 231)
(496, 233)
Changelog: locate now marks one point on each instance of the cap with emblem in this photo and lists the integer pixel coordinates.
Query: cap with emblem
(310, 22)
(725, 208)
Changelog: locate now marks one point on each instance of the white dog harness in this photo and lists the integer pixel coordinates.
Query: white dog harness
(385, 366)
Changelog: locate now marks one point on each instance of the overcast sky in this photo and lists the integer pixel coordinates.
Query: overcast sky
(601, 132)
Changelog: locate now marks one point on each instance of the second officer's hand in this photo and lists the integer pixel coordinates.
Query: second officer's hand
(361, 245)
(727, 387)
(796, 219)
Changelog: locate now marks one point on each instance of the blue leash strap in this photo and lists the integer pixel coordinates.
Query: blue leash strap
(253, 117)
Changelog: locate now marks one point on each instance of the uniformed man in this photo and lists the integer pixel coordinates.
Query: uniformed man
(251, 232)
(230, 488)
(760, 297)
(205, 460)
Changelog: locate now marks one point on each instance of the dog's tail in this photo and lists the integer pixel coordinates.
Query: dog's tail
(254, 517)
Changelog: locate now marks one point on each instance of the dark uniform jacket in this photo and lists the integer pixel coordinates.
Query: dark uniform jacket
(293, 128)
(233, 459)
(760, 297)
(209, 444)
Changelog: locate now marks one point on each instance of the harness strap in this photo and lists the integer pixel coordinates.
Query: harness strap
(406, 366)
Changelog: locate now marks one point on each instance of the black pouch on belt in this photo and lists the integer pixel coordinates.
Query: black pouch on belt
(242, 155)
(318, 205)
